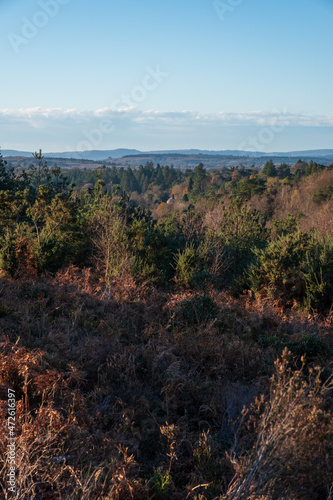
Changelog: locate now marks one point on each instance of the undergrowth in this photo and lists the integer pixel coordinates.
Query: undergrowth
(126, 391)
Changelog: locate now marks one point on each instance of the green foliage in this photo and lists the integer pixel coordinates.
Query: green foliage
(160, 484)
(199, 179)
(270, 169)
(317, 271)
(282, 227)
(313, 168)
(296, 268)
(13, 205)
(7, 176)
(139, 180)
(246, 188)
(8, 257)
(308, 345)
(186, 263)
(242, 228)
(198, 265)
(283, 171)
(59, 237)
(154, 255)
(322, 195)
(39, 174)
(126, 238)
(128, 181)
(200, 308)
(241, 231)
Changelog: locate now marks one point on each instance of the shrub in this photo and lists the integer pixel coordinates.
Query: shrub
(186, 263)
(282, 227)
(198, 309)
(154, 252)
(322, 195)
(241, 231)
(296, 268)
(8, 257)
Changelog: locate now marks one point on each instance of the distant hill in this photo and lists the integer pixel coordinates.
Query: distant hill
(326, 153)
(12, 152)
(215, 161)
(95, 155)
(100, 155)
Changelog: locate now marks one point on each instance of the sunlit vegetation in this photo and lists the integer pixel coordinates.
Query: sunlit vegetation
(168, 349)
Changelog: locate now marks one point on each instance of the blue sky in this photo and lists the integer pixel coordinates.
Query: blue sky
(210, 74)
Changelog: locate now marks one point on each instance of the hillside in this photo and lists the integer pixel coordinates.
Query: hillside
(167, 351)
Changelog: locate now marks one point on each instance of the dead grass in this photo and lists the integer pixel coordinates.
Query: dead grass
(103, 373)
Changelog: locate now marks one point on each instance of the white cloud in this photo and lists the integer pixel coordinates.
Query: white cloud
(49, 116)
(58, 129)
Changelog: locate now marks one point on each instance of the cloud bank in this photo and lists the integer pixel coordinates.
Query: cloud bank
(73, 129)
(38, 116)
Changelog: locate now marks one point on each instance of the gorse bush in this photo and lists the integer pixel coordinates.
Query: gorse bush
(154, 252)
(296, 268)
(239, 233)
(198, 309)
(8, 254)
(201, 265)
(283, 227)
(60, 241)
(186, 264)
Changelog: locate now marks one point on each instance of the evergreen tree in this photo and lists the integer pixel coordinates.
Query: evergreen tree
(39, 174)
(270, 169)
(283, 171)
(7, 176)
(199, 179)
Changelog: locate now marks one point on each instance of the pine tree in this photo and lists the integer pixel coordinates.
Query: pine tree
(199, 179)
(270, 169)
